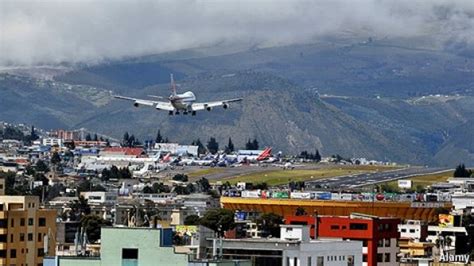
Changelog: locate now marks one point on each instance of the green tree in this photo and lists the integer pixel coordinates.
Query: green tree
(212, 145)
(201, 148)
(317, 156)
(180, 177)
(88, 137)
(270, 223)
(92, 225)
(218, 220)
(203, 185)
(41, 166)
(55, 158)
(95, 138)
(191, 220)
(79, 208)
(126, 140)
(159, 138)
(230, 147)
(461, 171)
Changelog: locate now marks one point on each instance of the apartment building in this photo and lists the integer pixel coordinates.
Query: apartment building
(27, 233)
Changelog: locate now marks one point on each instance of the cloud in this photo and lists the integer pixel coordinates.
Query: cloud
(55, 31)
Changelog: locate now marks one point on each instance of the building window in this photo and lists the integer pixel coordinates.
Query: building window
(357, 226)
(22, 222)
(40, 252)
(309, 261)
(404, 230)
(334, 227)
(387, 227)
(320, 261)
(364, 243)
(11, 238)
(30, 221)
(387, 242)
(387, 257)
(12, 253)
(30, 236)
(42, 221)
(12, 223)
(129, 253)
(380, 243)
(379, 257)
(22, 237)
(3, 223)
(39, 237)
(412, 231)
(364, 258)
(3, 254)
(3, 238)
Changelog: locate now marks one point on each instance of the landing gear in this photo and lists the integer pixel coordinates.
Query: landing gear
(185, 113)
(170, 113)
(193, 113)
(177, 113)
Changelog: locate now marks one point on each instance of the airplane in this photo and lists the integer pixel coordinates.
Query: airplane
(264, 157)
(184, 102)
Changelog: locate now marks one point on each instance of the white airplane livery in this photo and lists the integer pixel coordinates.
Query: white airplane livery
(184, 102)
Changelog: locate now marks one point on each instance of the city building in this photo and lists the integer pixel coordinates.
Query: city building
(130, 247)
(27, 233)
(293, 248)
(378, 235)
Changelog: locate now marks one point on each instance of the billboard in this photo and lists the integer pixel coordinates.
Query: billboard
(404, 183)
(446, 220)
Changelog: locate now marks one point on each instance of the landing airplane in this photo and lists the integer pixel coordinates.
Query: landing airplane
(184, 102)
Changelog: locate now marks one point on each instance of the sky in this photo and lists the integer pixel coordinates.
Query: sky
(73, 31)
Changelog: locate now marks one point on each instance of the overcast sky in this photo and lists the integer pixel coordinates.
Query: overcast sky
(48, 31)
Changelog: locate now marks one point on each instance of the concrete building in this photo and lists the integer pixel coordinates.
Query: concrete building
(27, 233)
(130, 247)
(293, 248)
(378, 235)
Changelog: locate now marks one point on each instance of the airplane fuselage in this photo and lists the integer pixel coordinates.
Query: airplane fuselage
(183, 101)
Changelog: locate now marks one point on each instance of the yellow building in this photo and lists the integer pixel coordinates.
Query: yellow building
(27, 233)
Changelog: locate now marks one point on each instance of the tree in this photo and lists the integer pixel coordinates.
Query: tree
(41, 166)
(317, 156)
(201, 148)
(95, 138)
(126, 140)
(270, 224)
(203, 185)
(218, 220)
(180, 177)
(255, 144)
(79, 208)
(88, 137)
(33, 135)
(230, 147)
(159, 138)
(212, 145)
(461, 171)
(55, 158)
(180, 190)
(92, 225)
(191, 220)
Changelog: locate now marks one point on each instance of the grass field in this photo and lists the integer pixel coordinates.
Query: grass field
(205, 171)
(279, 177)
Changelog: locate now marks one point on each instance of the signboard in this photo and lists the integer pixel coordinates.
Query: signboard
(404, 183)
(446, 220)
(300, 195)
(186, 229)
(280, 195)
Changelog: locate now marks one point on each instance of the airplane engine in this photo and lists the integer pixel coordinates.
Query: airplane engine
(225, 105)
(135, 104)
(208, 108)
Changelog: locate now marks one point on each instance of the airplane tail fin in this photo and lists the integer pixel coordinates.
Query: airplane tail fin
(173, 85)
(265, 154)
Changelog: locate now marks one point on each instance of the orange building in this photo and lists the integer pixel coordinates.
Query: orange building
(27, 233)
(424, 211)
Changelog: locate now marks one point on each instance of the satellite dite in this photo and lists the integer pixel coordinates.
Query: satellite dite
(184, 102)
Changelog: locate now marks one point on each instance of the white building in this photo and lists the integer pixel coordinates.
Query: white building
(100, 197)
(412, 229)
(52, 142)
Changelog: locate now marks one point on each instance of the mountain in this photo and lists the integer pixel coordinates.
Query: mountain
(376, 99)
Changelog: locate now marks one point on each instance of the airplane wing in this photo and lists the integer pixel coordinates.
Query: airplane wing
(204, 106)
(157, 104)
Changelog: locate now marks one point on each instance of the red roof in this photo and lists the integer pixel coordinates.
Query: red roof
(125, 151)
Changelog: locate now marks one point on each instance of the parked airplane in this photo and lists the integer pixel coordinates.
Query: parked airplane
(264, 156)
(184, 102)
